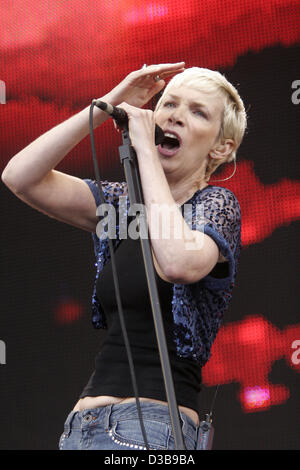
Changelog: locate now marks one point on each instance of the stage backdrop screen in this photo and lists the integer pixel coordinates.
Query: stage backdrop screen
(56, 57)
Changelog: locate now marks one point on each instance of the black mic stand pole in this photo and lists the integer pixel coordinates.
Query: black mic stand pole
(129, 161)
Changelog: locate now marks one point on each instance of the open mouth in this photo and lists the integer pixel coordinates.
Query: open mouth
(170, 145)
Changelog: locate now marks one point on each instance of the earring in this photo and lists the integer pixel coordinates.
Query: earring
(215, 181)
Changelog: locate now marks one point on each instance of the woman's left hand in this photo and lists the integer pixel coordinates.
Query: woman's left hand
(141, 125)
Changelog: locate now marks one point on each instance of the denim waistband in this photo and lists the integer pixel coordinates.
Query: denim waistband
(110, 414)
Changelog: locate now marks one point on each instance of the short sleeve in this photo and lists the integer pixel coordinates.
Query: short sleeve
(111, 191)
(219, 217)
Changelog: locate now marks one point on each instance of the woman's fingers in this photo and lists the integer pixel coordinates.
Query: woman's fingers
(141, 126)
(159, 72)
(132, 110)
(141, 85)
(163, 70)
(138, 114)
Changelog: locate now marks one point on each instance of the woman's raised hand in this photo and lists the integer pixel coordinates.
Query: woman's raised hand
(141, 85)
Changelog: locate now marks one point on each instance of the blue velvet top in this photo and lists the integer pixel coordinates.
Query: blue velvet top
(198, 309)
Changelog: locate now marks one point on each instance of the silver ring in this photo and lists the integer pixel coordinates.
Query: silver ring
(157, 78)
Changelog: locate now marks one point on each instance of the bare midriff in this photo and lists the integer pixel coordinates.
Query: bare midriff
(93, 402)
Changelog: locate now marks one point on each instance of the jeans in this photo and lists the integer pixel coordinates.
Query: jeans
(117, 427)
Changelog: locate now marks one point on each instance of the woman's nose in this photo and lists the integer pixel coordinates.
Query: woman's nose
(175, 117)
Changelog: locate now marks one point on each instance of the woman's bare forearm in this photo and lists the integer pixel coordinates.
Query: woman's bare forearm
(33, 163)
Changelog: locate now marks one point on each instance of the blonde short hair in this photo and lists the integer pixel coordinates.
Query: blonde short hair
(234, 118)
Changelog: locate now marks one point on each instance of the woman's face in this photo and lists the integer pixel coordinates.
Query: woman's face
(193, 118)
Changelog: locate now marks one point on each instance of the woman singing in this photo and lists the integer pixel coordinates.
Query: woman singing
(204, 120)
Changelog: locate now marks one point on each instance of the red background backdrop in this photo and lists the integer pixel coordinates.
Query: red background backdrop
(55, 58)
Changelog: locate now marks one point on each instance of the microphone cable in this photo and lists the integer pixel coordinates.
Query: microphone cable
(116, 284)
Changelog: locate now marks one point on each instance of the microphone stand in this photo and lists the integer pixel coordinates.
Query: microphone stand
(129, 161)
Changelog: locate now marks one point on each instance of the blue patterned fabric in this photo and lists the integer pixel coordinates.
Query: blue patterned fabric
(198, 308)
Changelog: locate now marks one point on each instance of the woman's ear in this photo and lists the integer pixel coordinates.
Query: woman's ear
(222, 150)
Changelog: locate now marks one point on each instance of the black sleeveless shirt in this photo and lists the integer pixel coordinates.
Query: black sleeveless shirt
(112, 374)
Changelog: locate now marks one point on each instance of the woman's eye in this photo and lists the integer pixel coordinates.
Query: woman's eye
(169, 104)
(199, 113)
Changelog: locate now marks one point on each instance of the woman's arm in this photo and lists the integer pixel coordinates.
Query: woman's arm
(30, 174)
(187, 255)
(193, 254)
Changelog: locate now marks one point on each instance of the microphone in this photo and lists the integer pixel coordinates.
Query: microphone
(121, 118)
